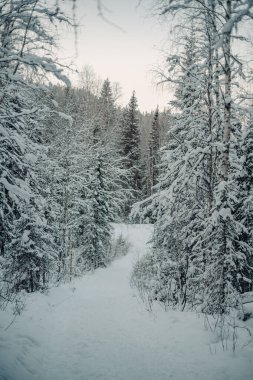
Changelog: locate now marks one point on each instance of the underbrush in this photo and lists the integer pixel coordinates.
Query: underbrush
(156, 285)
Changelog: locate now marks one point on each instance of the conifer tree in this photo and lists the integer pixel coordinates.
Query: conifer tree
(107, 106)
(201, 242)
(130, 142)
(154, 146)
(105, 121)
(21, 201)
(104, 198)
(97, 229)
(244, 205)
(88, 186)
(179, 204)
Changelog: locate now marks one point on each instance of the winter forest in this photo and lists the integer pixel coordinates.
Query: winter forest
(126, 237)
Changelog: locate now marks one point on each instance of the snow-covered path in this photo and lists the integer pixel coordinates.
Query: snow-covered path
(96, 328)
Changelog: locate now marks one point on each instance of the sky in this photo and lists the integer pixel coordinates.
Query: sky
(127, 53)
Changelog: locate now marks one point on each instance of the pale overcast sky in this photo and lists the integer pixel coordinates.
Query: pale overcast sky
(127, 57)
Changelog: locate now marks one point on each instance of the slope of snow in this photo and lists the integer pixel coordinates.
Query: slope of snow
(97, 328)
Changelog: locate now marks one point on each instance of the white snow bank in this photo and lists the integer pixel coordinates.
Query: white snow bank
(97, 328)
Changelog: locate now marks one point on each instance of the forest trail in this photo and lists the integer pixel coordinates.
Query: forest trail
(97, 328)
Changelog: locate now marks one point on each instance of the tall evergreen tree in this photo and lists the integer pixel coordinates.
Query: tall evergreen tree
(88, 186)
(201, 240)
(107, 106)
(130, 142)
(154, 146)
(106, 118)
(179, 203)
(244, 209)
(25, 244)
(97, 229)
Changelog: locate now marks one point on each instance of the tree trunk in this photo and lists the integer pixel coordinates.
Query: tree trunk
(227, 96)
(225, 153)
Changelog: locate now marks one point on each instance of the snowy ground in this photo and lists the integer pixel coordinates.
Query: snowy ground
(97, 328)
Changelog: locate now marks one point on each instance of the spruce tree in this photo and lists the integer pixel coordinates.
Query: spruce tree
(88, 186)
(244, 209)
(105, 122)
(154, 146)
(202, 242)
(107, 106)
(179, 203)
(97, 229)
(25, 242)
(130, 143)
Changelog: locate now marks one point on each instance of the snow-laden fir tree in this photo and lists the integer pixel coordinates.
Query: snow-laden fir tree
(96, 221)
(178, 203)
(105, 196)
(88, 185)
(241, 167)
(245, 206)
(154, 145)
(130, 143)
(107, 107)
(25, 242)
(200, 250)
(68, 152)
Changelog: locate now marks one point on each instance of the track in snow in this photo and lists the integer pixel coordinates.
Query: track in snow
(96, 328)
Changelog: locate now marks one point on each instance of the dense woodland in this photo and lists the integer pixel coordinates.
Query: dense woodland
(72, 161)
(202, 254)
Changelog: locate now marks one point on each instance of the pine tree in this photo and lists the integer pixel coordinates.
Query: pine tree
(21, 201)
(105, 126)
(32, 259)
(200, 241)
(97, 233)
(154, 146)
(104, 200)
(130, 143)
(88, 186)
(244, 205)
(179, 203)
(107, 106)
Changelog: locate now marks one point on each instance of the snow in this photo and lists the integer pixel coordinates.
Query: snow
(66, 117)
(21, 191)
(97, 328)
(55, 103)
